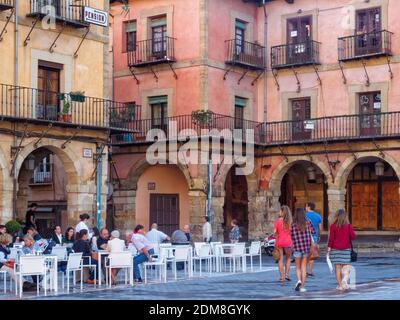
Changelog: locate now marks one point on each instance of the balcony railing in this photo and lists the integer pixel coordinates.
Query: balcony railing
(246, 54)
(43, 174)
(366, 45)
(346, 127)
(152, 51)
(6, 4)
(292, 55)
(68, 11)
(41, 106)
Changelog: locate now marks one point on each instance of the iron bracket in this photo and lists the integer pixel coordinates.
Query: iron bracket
(306, 150)
(42, 135)
(80, 43)
(242, 76)
(381, 153)
(343, 75)
(172, 69)
(131, 69)
(367, 81)
(282, 153)
(15, 150)
(8, 19)
(316, 72)
(351, 150)
(28, 37)
(154, 74)
(258, 77)
(388, 62)
(53, 45)
(226, 72)
(297, 79)
(275, 75)
(331, 164)
(70, 138)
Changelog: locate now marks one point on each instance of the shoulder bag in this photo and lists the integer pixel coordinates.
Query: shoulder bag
(353, 254)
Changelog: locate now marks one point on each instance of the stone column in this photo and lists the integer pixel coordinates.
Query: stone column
(218, 218)
(336, 198)
(6, 204)
(258, 222)
(197, 206)
(125, 209)
(272, 206)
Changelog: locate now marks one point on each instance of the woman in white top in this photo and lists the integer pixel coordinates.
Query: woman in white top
(93, 241)
(82, 225)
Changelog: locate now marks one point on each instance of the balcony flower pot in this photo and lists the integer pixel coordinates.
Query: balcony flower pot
(60, 118)
(77, 96)
(67, 118)
(202, 118)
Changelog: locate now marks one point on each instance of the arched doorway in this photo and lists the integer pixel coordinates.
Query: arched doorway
(373, 199)
(236, 204)
(305, 182)
(162, 196)
(43, 180)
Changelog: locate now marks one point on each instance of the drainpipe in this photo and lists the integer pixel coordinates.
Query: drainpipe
(99, 155)
(16, 80)
(266, 55)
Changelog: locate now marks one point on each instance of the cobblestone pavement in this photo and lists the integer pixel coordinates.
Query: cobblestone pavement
(378, 277)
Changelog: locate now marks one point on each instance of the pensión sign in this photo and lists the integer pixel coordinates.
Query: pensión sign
(95, 16)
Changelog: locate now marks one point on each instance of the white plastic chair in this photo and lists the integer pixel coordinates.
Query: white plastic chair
(60, 252)
(161, 263)
(132, 249)
(239, 253)
(119, 260)
(197, 246)
(253, 251)
(182, 254)
(4, 273)
(90, 265)
(204, 253)
(32, 266)
(74, 264)
(214, 252)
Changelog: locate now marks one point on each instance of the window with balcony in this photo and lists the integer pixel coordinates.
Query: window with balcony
(159, 112)
(370, 105)
(240, 104)
(42, 174)
(129, 36)
(240, 31)
(159, 37)
(301, 114)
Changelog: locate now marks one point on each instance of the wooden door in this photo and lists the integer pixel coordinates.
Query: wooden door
(364, 205)
(370, 113)
(390, 205)
(301, 111)
(298, 40)
(164, 210)
(368, 31)
(159, 36)
(47, 105)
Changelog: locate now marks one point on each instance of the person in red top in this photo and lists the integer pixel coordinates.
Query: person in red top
(283, 240)
(341, 233)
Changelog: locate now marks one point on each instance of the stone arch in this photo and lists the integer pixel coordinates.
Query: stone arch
(350, 163)
(283, 168)
(142, 165)
(67, 156)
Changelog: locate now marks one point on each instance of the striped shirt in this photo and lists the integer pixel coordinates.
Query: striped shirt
(302, 239)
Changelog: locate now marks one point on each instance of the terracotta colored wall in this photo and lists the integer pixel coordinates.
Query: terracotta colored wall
(162, 176)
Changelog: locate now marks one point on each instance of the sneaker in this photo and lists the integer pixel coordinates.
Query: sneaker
(310, 274)
(298, 284)
(138, 281)
(303, 289)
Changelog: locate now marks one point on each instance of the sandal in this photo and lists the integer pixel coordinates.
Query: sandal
(288, 279)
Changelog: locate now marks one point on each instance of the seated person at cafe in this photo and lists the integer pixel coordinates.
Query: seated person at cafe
(3, 229)
(5, 263)
(103, 239)
(181, 236)
(82, 245)
(33, 233)
(57, 236)
(144, 248)
(115, 244)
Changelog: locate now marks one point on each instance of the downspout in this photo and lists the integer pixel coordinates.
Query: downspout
(266, 55)
(16, 80)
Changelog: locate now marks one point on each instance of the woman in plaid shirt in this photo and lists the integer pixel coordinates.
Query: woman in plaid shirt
(301, 233)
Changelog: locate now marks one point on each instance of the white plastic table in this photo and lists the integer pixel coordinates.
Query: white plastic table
(101, 253)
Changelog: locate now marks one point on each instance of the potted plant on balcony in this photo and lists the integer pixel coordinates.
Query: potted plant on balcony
(202, 118)
(64, 115)
(78, 96)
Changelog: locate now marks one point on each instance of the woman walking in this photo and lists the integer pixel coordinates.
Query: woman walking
(234, 235)
(283, 241)
(301, 233)
(341, 233)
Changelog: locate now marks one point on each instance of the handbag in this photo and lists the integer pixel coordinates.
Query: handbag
(9, 264)
(353, 254)
(276, 254)
(314, 252)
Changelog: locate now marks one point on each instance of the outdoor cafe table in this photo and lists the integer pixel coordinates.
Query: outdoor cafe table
(101, 253)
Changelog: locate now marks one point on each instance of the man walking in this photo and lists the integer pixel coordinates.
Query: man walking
(316, 222)
(207, 231)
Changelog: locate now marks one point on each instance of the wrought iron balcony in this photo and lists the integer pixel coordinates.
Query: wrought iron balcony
(366, 45)
(245, 54)
(336, 128)
(6, 5)
(63, 109)
(152, 52)
(295, 55)
(66, 11)
(42, 175)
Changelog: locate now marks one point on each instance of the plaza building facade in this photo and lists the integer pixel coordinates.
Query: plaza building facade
(314, 81)
(54, 109)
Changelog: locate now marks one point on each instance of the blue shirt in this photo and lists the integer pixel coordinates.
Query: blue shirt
(315, 220)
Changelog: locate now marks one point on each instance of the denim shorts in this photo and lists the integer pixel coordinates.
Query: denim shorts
(298, 254)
